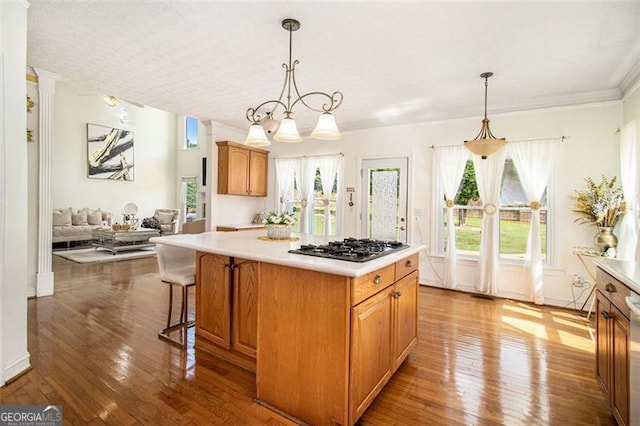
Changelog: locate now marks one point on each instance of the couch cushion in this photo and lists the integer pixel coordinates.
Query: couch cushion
(94, 217)
(165, 218)
(166, 228)
(79, 218)
(61, 217)
(73, 231)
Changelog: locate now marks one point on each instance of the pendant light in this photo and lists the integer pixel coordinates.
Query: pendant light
(485, 144)
(263, 114)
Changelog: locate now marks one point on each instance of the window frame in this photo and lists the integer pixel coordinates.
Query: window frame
(440, 231)
(185, 138)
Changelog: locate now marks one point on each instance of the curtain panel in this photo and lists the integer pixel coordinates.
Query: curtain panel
(285, 176)
(450, 162)
(628, 226)
(534, 163)
(329, 166)
(489, 177)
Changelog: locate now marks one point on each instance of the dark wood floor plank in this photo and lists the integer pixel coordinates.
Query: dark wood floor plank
(94, 349)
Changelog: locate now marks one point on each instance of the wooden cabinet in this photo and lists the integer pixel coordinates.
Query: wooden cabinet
(226, 307)
(612, 344)
(384, 328)
(242, 170)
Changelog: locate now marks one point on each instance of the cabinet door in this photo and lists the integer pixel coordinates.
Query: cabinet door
(213, 292)
(258, 174)
(238, 180)
(405, 315)
(370, 350)
(620, 367)
(603, 342)
(245, 315)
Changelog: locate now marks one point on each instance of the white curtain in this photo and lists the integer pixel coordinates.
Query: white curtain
(285, 176)
(450, 162)
(534, 162)
(489, 177)
(628, 226)
(329, 166)
(305, 175)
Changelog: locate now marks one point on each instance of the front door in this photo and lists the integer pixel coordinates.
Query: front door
(384, 198)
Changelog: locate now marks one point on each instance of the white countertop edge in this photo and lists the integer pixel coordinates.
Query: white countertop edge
(246, 245)
(627, 271)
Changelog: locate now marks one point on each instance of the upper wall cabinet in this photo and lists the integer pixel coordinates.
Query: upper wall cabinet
(242, 170)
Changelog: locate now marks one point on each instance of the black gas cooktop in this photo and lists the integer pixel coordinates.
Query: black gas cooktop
(352, 249)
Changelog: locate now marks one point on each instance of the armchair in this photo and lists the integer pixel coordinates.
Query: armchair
(168, 220)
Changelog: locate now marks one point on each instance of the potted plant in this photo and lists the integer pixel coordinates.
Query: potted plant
(602, 205)
(278, 225)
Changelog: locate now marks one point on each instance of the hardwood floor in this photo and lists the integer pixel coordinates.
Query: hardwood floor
(94, 349)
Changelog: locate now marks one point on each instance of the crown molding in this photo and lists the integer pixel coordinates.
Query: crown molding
(631, 81)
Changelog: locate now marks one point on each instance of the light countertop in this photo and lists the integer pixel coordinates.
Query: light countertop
(247, 246)
(242, 225)
(627, 271)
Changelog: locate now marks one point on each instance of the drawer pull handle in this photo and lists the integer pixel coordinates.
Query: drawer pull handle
(397, 295)
(610, 288)
(606, 314)
(377, 279)
(408, 263)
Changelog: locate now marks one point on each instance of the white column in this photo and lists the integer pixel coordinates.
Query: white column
(46, 89)
(212, 174)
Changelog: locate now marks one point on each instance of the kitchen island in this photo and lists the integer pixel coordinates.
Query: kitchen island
(324, 336)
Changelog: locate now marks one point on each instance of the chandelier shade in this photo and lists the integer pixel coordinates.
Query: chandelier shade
(326, 129)
(322, 102)
(288, 131)
(257, 137)
(485, 144)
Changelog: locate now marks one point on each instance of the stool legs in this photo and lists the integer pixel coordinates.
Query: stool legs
(184, 323)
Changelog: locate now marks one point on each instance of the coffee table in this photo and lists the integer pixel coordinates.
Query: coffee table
(116, 241)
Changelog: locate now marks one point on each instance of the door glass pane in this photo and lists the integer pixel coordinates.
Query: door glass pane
(383, 203)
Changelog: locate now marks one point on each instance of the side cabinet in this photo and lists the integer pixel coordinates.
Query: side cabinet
(612, 343)
(384, 329)
(226, 307)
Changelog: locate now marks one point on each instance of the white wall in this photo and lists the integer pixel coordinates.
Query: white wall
(154, 184)
(14, 357)
(591, 150)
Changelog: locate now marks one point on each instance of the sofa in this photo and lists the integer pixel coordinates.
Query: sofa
(77, 224)
(165, 220)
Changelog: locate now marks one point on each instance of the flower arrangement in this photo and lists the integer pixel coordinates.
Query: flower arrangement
(600, 204)
(279, 218)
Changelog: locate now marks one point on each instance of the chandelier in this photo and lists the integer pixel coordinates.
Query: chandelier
(485, 144)
(263, 119)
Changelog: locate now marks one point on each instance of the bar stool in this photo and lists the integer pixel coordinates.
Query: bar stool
(177, 268)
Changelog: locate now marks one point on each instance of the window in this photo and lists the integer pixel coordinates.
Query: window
(320, 209)
(189, 198)
(190, 133)
(514, 216)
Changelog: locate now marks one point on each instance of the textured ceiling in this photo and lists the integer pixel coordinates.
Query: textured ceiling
(395, 62)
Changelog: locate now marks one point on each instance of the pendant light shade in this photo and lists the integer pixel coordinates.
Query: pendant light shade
(485, 144)
(256, 136)
(288, 131)
(326, 129)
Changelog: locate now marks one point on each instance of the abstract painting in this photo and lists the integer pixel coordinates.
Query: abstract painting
(110, 152)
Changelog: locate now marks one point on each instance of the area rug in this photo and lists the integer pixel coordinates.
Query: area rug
(91, 255)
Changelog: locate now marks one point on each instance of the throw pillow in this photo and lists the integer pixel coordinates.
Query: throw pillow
(79, 218)
(165, 218)
(151, 223)
(61, 217)
(94, 217)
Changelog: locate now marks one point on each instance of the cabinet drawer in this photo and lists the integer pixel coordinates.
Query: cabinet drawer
(613, 290)
(406, 266)
(367, 285)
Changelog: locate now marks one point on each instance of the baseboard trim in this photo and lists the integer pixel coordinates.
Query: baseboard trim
(44, 284)
(17, 367)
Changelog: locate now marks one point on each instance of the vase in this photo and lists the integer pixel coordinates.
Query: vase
(605, 239)
(278, 232)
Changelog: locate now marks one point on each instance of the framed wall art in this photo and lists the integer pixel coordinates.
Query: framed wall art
(109, 152)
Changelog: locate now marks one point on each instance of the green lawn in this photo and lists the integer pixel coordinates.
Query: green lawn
(513, 236)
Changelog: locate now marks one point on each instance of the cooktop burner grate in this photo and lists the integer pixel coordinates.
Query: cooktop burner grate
(351, 249)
